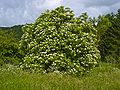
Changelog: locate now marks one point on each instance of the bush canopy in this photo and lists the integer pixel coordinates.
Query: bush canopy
(58, 41)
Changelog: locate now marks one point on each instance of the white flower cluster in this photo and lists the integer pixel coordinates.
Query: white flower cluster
(56, 42)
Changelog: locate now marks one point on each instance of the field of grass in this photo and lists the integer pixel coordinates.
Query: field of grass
(104, 77)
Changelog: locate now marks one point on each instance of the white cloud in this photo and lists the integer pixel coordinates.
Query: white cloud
(26, 11)
(52, 4)
(91, 3)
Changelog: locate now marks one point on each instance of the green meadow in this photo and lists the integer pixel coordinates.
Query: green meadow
(104, 77)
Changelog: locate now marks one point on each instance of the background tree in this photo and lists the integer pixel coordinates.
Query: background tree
(9, 41)
(110, 39)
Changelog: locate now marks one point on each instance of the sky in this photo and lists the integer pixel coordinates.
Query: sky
(15, 12)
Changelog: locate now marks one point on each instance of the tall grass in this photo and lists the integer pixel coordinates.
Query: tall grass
(104, 77)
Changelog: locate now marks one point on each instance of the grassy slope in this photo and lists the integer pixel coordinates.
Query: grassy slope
(104, 77)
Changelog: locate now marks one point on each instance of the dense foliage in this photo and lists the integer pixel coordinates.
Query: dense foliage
(9, 41)
(110, 40)
(58, 41)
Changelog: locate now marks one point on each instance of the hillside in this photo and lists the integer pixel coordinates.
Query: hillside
(16, 30)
